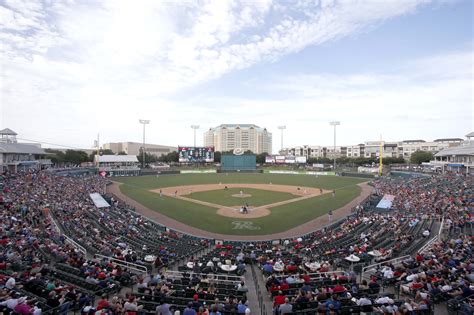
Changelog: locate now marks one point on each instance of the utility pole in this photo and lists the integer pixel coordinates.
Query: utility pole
(281, 128)
(195, 127)
(335, 123)
(144, 122)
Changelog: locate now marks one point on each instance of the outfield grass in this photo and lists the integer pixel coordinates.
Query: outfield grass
(259, 197)
(325, 182)
(282, 218)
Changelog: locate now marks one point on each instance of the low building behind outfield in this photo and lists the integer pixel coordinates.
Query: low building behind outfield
(458, 159)
(134, 148)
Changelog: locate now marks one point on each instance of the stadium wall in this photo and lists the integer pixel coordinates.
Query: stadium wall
(246, 162)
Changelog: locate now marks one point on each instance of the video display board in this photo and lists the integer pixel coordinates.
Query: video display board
(196, 154)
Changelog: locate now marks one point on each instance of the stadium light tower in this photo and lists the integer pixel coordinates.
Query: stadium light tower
(195, 127)
(144, 122)
(282, 128)
(335, 123)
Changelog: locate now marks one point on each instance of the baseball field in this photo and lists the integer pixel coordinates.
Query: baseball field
(274, 203)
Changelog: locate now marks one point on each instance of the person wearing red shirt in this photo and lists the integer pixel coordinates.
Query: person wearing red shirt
(103, 303)
(416, 285)
(419, 258)
(284, 286)
(101, 276)
(274, 287)
(338, 288)
(306, 278)
(291, 268)
(279, 299)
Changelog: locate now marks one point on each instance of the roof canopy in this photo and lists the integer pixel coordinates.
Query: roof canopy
(20, 148)
(460, 150)
(8, 132)
(99, 201)
(470, 135)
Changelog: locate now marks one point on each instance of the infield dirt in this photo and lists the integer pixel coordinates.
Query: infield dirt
(185, 193)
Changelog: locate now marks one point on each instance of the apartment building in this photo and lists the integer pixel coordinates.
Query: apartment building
(227, 137)
(371, 149)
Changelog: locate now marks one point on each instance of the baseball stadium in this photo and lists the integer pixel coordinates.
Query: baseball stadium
(236, 157)
(205, 236)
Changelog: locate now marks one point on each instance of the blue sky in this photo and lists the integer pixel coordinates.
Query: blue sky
(401, 68)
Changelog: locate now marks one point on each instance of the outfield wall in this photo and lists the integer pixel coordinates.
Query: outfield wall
(246, 162)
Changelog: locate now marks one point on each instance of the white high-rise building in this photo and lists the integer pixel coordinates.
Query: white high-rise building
(228, 137)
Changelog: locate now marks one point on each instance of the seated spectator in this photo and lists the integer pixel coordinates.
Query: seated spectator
(285, 308)
(241, 287)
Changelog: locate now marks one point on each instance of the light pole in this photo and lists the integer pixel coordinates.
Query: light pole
(195, 127)
(144, 123)
(282, 128)
(335, 123)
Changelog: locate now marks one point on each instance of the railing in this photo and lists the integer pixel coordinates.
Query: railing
(76, 245)
(67, 238)
(172, 274)
(132, 266)
(261, 303)
(428, 244)
(374, 267)
(316, 275)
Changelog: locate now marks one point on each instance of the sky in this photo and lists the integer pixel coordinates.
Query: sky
(400, 69)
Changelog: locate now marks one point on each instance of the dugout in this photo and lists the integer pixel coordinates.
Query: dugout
(238, 163)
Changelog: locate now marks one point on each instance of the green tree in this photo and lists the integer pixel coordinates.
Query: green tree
(419, 157)
(261, 157)
(393, 160)
(217, 157)
(56, 156)
(106, 152)
(75, 157)
(173, 156)
(149, 158)
(122, 153)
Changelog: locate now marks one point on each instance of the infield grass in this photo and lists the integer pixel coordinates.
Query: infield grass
(282, 218)
(259, 197)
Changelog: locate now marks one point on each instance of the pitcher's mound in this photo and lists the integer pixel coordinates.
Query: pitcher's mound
(241, 196)
(252, 214)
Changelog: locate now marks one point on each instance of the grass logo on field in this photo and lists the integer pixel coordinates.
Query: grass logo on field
(244, 225)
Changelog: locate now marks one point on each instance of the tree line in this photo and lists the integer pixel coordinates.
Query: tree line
(77, 157)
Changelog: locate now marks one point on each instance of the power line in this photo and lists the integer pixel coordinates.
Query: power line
(55, 144)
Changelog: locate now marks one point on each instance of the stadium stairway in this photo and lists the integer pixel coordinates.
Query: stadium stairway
(252, 293)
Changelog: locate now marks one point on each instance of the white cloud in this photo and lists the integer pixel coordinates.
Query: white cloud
(72, 68)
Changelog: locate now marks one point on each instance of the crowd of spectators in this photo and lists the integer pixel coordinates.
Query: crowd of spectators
(41, 212)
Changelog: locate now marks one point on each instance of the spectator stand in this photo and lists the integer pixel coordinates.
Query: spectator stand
(67, 238)
(139, 269)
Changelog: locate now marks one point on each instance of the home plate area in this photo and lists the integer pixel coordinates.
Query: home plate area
(186, 193)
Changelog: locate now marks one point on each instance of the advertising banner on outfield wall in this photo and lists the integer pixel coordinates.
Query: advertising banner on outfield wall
(301, 159)
(269, 159)
(197, 171)
(299, 172)
(280, 159)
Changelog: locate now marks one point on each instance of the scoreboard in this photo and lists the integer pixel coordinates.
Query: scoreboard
(196, 154)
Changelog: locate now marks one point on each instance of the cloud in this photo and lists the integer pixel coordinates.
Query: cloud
(417, 101)
(105, 64)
